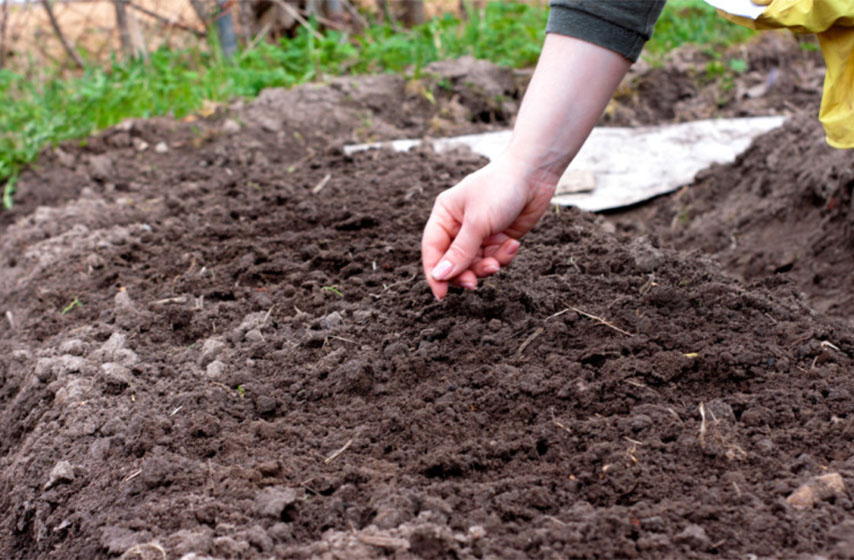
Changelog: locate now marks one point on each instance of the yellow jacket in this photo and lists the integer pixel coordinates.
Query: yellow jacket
(833, 22)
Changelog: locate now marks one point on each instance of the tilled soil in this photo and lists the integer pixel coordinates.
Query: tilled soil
(225, 349)
(783, 211)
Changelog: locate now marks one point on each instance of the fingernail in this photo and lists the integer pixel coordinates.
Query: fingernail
(490, 269)
(512, 247)
(470, 285)
(441, 271)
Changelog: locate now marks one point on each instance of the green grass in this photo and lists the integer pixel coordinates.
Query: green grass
(694, 22)
(35, 113)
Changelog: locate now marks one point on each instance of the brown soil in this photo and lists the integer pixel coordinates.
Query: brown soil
(226, 349)
(782, 213)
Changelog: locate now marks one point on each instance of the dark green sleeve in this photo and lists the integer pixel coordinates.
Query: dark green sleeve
(623, 26)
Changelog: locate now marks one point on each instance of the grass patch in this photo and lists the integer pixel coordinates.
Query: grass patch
(697, 23)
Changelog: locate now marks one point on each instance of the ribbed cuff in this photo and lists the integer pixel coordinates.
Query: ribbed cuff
(569, 21)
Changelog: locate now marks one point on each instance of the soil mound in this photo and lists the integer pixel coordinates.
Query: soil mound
(216, 342)
(783, 212)
(232, 360)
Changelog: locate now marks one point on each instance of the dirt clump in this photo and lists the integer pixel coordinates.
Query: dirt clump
(781, 213)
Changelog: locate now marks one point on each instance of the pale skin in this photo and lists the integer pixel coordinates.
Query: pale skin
(475, 227)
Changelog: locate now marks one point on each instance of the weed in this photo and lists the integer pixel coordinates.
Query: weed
(74, 303)
(334, 290)
(240, 391)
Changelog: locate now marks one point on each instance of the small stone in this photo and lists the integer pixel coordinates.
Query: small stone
(123, 302)
(161, 147)
(115, 377)
(101, 166)
(281, 532)
(62, 472)
(139, 144)
(477, 532)
(211, 348)
(230, 547)
(695, 537)
(70, 364)
(654, 524)
(64, 157)
(215, 369)
(186, 541)
(73, 346)
(258, 537)
(362, 316)
(395, 349)
(817, 489)
(274, 501)
(331, 321)
(254, 336)
(720, 411)
(230, 126)
(108, 350)
(266, 404)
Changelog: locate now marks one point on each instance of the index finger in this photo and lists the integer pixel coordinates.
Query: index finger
(434, 242)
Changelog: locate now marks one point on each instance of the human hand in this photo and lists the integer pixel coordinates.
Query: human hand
(475, 226)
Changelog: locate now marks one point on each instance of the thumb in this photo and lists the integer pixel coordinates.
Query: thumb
(460, 254)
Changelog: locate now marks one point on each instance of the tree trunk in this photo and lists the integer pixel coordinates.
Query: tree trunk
(75, 56)
(4, 20)
(247, 18)
(413, 13)
(202, 13)
(124, 31)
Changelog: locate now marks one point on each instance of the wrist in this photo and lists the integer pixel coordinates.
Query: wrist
(532, 168)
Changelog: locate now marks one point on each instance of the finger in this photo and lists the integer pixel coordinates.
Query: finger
(467, 279)
(486, 266)
(496, 239)
(434, 243)
(460, 254)
(506, 251)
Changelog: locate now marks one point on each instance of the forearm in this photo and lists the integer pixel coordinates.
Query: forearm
(570, 88)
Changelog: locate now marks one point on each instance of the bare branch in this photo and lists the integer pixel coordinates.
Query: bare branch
(75, 56)
(296, 15)
(168, 21)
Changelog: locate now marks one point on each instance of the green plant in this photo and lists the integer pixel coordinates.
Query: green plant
(694, 22)
(74, 303)
(334, 290)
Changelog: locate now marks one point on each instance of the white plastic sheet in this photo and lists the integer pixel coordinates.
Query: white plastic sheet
(620, 167)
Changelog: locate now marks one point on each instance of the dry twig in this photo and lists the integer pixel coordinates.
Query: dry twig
(322, 183)
(339, 452)
(383, 542)
(528, 341)
(296, 15)
(601, 321)
(559, 424)
(171, 22)
(62, 39)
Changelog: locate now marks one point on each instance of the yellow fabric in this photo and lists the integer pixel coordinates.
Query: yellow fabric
(833, 22)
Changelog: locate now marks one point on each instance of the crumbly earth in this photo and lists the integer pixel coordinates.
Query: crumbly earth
(783, 211)
(225, 349)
